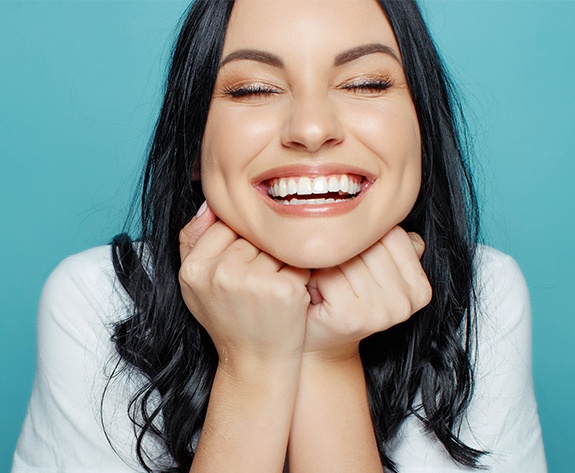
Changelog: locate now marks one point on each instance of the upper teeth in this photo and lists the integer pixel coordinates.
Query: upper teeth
(283, 187)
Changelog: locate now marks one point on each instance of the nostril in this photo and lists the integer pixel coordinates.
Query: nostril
(311, 128)
(311, 145)
(296, 145)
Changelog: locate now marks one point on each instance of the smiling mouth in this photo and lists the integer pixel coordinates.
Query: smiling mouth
(317, 190)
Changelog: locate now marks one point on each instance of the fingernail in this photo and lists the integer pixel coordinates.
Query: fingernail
(202, 209)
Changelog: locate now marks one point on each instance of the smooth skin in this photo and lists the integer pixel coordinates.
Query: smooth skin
(302, 91)
(311, 87)
(288, 341)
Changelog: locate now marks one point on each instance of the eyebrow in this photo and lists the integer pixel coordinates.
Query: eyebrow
(342, 58)
(360, 51)
(253, 55)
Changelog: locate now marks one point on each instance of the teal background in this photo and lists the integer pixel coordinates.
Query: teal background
(80, 84)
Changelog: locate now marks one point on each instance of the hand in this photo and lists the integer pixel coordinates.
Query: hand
(252, 305)
(379, 288)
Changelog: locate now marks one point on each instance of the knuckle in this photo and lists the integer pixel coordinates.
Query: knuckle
(188, 273)
(426, 294)
(422, 292)
(182, 236)
(288, 291)
(419, 246)
(403, 306)
(253, 284)
(193, 279)
(221, 277)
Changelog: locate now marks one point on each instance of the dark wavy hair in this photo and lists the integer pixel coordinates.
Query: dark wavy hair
(422, 367)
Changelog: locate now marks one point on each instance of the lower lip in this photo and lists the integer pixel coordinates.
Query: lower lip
(314, 210)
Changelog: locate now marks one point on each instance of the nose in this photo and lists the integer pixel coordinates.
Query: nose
(312, 125)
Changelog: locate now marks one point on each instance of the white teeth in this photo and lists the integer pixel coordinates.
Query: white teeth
(320, 185)
(283, 188)
(291, 187)
(311, 201)
(343, 184)
(304, 186)
(333, 185)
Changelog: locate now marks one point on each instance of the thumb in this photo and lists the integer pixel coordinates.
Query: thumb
(192, 232)
(313, 290)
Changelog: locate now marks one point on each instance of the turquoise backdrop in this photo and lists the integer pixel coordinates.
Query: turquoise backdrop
(80, 84)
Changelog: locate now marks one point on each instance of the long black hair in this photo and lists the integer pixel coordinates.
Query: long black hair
(422, 367)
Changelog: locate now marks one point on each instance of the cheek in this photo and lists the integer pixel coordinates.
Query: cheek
(390, 130)
(392, 135)
(404, 158)
(234, 137)
(233, 141)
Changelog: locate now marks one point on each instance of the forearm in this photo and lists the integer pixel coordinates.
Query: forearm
(331, 428)
(248, 421)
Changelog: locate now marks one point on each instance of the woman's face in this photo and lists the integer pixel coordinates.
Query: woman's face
(312, 146)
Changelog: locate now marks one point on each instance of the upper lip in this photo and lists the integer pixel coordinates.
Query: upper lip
(295, 170)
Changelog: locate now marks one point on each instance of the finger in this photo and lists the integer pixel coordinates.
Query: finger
(314, 292)
(402, 247)
(301, 274)
(404, 253)
(381, 265)
(267, 263)
(387, 265)
(195, 228)
(329, 285)
(214, 241)
(358, 276)
(241, 251)
(418, 243)
(205, 235)
(264, 263)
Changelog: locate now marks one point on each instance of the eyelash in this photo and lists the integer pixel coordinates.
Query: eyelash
(247, 90)
(368, 85)
(262, 90)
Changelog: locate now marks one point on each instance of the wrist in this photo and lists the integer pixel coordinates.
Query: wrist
(253, 368)
(333, 355)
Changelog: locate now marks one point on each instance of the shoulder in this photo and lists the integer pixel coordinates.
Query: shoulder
(503, 305)
(80, 271)
(85, 284)
(81, 302)
(503, 414)
(495, 269)
(502, 417)
(80, 305)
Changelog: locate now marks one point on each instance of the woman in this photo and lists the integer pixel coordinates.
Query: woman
(277, 306)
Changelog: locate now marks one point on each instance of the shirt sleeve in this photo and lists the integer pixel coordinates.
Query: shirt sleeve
(63, 430)
(502, 418)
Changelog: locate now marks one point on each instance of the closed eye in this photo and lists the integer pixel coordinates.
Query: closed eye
(367, 85)
(252, 90)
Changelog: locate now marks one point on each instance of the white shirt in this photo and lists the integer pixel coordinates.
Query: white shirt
(82, 299)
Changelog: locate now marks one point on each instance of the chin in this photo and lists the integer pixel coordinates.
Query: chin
(327, 256)
(314, 262)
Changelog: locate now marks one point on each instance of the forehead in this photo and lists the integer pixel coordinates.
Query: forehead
(304, 26)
